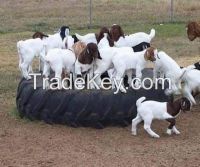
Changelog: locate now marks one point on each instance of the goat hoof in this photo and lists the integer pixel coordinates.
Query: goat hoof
(175, 131)
(123, 90)
(169, 132)
(155, 136)
(134, 133)
(28, 78)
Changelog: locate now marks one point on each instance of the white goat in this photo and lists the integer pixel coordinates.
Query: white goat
(135, 39)
(59, 60)
(191, 84)
(30, 48)
(123, 59)
(107, 53)
(88, 38)
(167, 67)
(149, 110)
(136, 60)
(27, 50)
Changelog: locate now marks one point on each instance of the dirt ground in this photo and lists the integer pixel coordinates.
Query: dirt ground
(26, 143)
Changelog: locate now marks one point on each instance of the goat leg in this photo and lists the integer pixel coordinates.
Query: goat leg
(172, 122)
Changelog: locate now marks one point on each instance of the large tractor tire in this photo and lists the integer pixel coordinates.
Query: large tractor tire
(93, 108)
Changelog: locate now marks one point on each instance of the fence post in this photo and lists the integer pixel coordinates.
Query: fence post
(171, 10)
(90, 14)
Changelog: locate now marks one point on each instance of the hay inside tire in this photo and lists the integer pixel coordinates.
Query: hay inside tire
(87, 108)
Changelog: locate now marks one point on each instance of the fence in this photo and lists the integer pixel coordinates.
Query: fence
(49, 15)
(130, 12)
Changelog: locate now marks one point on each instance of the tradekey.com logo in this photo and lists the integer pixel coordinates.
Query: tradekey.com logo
(105, 83)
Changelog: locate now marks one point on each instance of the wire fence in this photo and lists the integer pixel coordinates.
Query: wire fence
(129, 12)
(49, 15)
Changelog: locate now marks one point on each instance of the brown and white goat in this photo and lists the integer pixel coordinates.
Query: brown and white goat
(149, 110)
(193, 30)
(78, 47)
(39, 35)
(138, 41)
(116, 32)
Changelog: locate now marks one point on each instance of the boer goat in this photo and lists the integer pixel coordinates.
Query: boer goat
(60, 61)
(85, 61)
(95, 38)
(191, 82)
(122, 60)
(78, 47)
(193, 30)
(149, 110)
(166, 66)
(39, 35)
(138, 41)
(27, 50)
(31, 48)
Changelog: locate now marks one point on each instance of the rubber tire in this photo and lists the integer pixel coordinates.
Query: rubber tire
(88, 108)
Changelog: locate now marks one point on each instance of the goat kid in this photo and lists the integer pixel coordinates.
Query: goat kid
(56, 40)
(138, 41)
(191, 82)
(60, 61)
(27, 50)
(193, 30)
(166, 66)
(149, 110)
(122, 60)
(95, 38)
(85, 61)
(126, 62)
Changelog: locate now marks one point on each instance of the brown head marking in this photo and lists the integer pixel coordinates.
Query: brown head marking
(116, 32)
(150, 54)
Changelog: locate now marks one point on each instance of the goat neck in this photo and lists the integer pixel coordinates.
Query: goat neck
(173, 108)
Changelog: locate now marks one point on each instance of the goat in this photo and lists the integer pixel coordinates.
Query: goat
(167, 67)
(85, 61)
(122, 60)
(150, 110)
(95, 38)
(39, 35)
(126, 62)
(57, 40)
(27, 50)
(191, 82)
(107, 53)
(194, 66)
(193, 30)
(60, 61)
(78, 47)
(138, 41)
(30, 48)
(116, 32)
(88, 38)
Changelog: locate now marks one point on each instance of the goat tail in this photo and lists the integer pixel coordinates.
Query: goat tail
(140, 100)
(152, 33)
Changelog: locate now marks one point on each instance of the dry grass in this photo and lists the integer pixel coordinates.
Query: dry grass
(23, 15)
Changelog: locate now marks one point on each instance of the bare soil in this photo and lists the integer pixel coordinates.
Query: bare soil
(26, 143)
